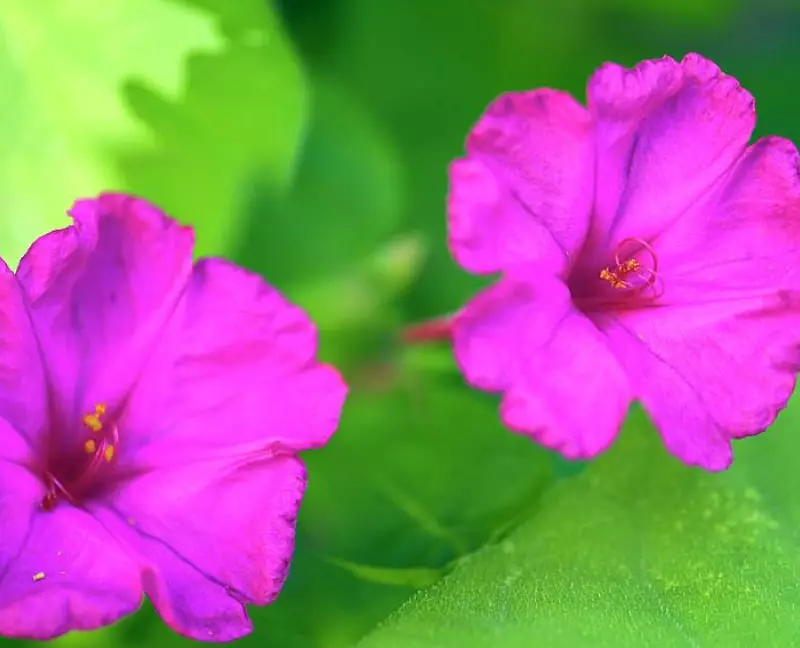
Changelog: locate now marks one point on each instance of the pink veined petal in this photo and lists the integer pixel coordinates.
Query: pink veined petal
(561, 385)
(665, 132)
(235, 373)
(100, 292)
(706, 376)
(524, 192)
(59, 570)
(211, 537)
(718, 359)
(743, 240)
(23, 396)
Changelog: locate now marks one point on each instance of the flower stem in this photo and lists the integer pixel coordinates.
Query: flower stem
(433, 330)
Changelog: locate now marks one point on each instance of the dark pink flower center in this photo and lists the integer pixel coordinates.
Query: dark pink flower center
(628, 280)
(73, 472)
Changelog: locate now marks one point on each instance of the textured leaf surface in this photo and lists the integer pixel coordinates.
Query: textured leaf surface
(637, 550)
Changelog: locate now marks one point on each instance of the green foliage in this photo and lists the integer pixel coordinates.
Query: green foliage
(348, 166)
(326, 172)
(417, 494)
(637, 550)
(239, 120)
(61, 66)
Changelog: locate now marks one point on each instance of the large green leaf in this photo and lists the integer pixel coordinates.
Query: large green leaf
(188, 142)
(239, 121)
(636, 551)
(345, 202)
(61, 66)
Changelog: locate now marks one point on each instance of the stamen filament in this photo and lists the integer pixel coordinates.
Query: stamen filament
(617, 274)
(102, 451)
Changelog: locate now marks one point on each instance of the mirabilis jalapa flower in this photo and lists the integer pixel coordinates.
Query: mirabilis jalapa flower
(151, 410)
(646, 252)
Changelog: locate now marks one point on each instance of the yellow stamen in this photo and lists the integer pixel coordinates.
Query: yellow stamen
(90, 446)
(615, 276)
(93, 421)
(38, 576)
(109, 453)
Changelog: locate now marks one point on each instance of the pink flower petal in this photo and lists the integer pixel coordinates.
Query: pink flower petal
(718, 359)
(561, 384)
(235, 373)
(59, 570)
(665, 133)
(705, 377)
(743, 240)
(212, 537)
(23, 396)
(524, 191)
(100, 291)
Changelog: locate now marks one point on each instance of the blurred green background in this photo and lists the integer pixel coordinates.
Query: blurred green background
(309, 140)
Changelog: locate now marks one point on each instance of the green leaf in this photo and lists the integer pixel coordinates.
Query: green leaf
(638, 550)
(345, 201)
(238, 122)
(416, 577)
(433, 467)
(417, 477)
(61, 66)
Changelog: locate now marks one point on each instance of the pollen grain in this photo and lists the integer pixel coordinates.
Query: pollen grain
(39, 576)
(93, 421)
(616, 275)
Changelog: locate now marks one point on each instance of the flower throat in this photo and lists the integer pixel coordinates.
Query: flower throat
(98, 450)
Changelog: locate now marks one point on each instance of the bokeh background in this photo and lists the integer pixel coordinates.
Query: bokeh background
(309, 141)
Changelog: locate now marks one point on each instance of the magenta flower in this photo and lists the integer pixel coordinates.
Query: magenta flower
(150, 415)
(646, 251)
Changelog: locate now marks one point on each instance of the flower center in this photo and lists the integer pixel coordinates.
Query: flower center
(616, 275)
(631, 280)
(97, 452)
(638, 272)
